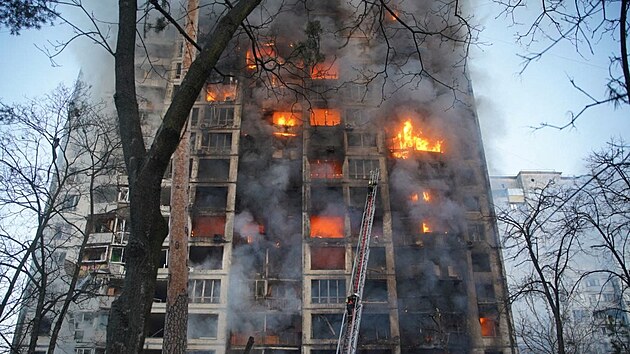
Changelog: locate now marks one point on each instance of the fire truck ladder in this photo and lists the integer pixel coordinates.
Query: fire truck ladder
(351, 322)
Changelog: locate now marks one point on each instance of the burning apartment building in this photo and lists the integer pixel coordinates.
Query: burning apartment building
(282, 141)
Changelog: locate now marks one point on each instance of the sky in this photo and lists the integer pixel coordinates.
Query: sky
(509, 104)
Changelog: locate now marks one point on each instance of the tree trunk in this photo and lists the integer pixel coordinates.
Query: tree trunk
(129, 313)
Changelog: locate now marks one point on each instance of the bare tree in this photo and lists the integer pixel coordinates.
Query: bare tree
(583, 24)
(561, 236)
(51, 146)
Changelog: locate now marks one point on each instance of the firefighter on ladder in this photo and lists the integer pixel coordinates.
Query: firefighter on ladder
(351, 303)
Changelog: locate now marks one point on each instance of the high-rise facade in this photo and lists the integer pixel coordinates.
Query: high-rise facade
(282, 141)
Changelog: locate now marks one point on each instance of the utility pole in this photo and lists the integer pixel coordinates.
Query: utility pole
(176, 323)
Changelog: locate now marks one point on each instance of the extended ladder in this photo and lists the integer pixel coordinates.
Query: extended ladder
(351, 322)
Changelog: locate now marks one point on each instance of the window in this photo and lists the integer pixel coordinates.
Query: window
(194, 117)
(480, 262)
(205, 258)
(118, 255)
(325, 117)
(375, 290)
(471, 203)
(213, 169)
(219, 116)
(202, 326)
(83, 351)
(217, 142)
(211, 198)
(592, 282)
(205, 291)
(164, 258)
(488, 320)
(328, 291)
(485, 292)
(361, 168)
(123, 194)
(476, 232)
(361, 140)
(325, 258)
(356, 92)
(178, 70)
(325, 326)
(95, 254)
(71, 202)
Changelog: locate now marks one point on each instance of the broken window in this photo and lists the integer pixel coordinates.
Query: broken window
(202, 326)
(219, 116)
(471, 203)
(374, 327)
(377, 262)
(327, 226)
(70, 202)
(358, 196)
(208, 226)
(205, 290)
(223, 92)
(485, 292)
(325, 117)
(213, 169)
(95, 254)
(480, 262)
(155, 325)
(206, 257)
(160, 291)
(476, 232)
(220, 143)
(328, 291)
(211, 197)
(326, 326)
(361, 140)
(375, 290)
(325, 258)
(164, 258)
(488, 315)
(326, 169)
(356, 92)
(360, 169)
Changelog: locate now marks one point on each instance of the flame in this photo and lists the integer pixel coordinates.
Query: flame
(265, 53)
(487, 326)
(220, 92)
(415, 197)
(405, 141)
(326, 169)
(425, 228)
(286, 119)
(426, 196)
(325, 71)
(326, 117)
(327, 226)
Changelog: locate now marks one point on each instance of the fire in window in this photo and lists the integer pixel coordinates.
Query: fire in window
(325, 71)
(407, 140)
(208, 226)
(285, 123)
(488, 320)
(325, 117)
(222, 92)
(327, 226)
(326, 169)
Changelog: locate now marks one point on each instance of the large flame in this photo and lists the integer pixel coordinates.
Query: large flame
(266, 53)
(285, 119)
(407, 140)
(426, 228)
(327, 226)
(221, 92)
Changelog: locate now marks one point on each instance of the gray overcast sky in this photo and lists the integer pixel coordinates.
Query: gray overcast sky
(508, 104)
